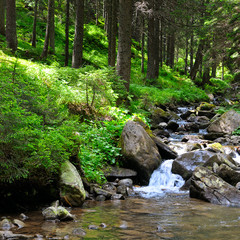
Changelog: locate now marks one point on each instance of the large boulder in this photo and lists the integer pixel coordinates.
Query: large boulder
(225, 167)
(227, 123)
(72, 191)
(140, 151)
(207, 186)
(185, 164)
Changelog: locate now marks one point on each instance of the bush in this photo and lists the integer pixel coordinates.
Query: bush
(35, 137)
(217, 85)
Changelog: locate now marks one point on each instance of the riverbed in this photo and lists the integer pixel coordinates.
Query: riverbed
(172, 216)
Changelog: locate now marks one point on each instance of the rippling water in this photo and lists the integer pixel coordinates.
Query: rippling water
(171, 216)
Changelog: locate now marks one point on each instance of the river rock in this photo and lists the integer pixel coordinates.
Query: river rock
(10, 235)
(206, 106)
(185, 164)
(57, 212)
(221, 158)
(228, 174)
(79, 232)
(140, 151)
(100, 191)
(207, 186)
(113, 172)
(100, 198)
(126, 182)
(117, 197)
(122, 190)
(227, 123)
(209, 114)
(71, 187)
(158, 116)
(172, 125)
(213, 135)
(6, 224)
(18, 223)
(109, 186)
(165, 151)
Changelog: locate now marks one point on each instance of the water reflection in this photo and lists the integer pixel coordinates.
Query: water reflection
(172, 216)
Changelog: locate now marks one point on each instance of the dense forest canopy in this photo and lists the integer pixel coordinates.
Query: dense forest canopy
(205, 31)
(74, 71)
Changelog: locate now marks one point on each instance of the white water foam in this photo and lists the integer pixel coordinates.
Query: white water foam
(161, 181)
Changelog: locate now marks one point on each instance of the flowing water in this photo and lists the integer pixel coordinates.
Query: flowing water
(157, 211)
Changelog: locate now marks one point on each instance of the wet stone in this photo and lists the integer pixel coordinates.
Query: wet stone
(92, 227)
(126, 182)
(103, 225)
(100, 198)
(78, 232)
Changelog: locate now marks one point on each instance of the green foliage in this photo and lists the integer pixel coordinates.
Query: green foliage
(35, 138)
(167, 88)
(98, 148)
(100, 142)
(217, 85)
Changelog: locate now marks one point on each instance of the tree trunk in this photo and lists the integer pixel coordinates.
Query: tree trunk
(151, 46)
(198, 60)
(186, 54)
(52, 28)
(78, 38)
(124, 44)
(191, 46)
(48, 28)
(11, 28)
(206, 75)
(153, 42)
(67, 34)
(222, 70)
(34, 33)
(142, 45)
(97, 6)
(171, 49)
(112, 31)
(156, 43)
(2, 17)
(161, 44)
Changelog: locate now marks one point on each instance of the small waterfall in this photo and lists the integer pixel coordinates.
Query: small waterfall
(161, 181)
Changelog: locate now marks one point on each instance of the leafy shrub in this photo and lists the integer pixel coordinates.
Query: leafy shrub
(217, 85)
(35, 138)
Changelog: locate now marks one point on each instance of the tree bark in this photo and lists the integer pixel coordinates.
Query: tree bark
(153, 43)
(124, 38)
(112, 31)
(34, 33)
(142, 45)
(78, 38)
(186, 54)
(97, 6)
(11, 28)
(198, 60)
(161, 44)
(2, 17)
(49, 29)
(191, 46)
(52, 28)
(67, 34)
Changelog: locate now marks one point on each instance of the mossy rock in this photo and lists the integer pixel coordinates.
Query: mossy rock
(217, 147)
(71, 187)
(206, 106)
(144, 125)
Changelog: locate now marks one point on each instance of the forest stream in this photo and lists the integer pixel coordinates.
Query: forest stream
(158, 211)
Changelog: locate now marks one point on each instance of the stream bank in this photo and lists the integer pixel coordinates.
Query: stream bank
(161, 211)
